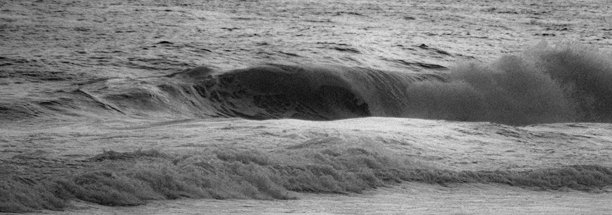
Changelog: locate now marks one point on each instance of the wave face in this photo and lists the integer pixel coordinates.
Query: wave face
(544, 84)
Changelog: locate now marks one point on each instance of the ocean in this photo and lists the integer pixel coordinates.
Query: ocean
(305, 107)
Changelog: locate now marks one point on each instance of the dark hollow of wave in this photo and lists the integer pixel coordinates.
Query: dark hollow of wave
(544, 84)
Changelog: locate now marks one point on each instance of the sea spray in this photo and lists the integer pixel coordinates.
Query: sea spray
(545, 84)
(510, 91)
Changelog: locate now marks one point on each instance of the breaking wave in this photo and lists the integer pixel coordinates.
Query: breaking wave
(545, 84)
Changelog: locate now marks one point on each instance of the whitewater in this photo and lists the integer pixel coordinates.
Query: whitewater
(306, 107)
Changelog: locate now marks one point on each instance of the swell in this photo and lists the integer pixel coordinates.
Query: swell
(544, 84)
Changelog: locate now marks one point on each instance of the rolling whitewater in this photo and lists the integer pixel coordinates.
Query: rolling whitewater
(348, 108)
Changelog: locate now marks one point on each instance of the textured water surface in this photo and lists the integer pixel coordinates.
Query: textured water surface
(307, 107)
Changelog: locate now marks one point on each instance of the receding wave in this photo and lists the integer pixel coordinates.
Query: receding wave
(544, 84)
